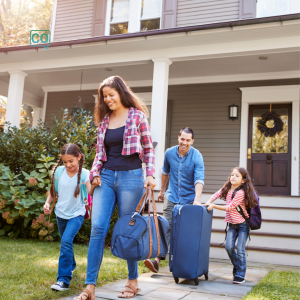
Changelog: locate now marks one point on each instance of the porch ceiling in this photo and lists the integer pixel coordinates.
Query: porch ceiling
(182, 70)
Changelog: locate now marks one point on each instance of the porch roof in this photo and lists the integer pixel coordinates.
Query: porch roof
(145, 34)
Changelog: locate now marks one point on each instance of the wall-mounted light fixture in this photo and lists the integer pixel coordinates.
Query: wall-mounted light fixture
(233, 112)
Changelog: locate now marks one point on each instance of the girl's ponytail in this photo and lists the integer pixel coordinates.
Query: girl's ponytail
(81, 162)
(52, 189)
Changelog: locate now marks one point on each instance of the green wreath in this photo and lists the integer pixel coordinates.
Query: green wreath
(266, 131)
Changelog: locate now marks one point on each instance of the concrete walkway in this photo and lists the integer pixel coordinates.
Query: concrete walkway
(218, 286)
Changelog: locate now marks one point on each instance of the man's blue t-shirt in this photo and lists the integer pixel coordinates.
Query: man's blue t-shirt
(67, 206)
(184, 173)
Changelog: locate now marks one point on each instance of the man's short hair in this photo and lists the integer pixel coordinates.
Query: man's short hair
(186, 130)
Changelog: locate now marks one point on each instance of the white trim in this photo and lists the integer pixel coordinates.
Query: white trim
(266, 95)
(53, 21)
(45, 106)
(107, 19)
(184, 80)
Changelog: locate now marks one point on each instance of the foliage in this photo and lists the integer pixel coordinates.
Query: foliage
(21, 148)
(29, 268)
(18, 17)
(276, 285)
(22, 201)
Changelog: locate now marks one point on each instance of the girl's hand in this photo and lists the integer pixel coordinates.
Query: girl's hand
(46, 208)
(210, 207)
(150, 181)
(96, 181)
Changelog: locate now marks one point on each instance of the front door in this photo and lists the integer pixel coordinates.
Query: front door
(269, 158)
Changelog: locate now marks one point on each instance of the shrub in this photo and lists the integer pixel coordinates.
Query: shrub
(23, 188)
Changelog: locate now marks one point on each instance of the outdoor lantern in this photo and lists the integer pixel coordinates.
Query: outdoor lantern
(233, 112)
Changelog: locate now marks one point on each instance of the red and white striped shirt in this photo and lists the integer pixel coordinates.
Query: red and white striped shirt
(232, 215)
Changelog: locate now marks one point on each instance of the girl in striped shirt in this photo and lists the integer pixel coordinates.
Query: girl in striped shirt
(237, 191)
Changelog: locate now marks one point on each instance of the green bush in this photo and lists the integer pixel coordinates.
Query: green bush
(27, 156)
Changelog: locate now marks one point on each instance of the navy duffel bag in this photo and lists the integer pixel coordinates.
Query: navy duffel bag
(136, 237)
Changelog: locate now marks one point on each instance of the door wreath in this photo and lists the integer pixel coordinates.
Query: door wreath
(268, 116)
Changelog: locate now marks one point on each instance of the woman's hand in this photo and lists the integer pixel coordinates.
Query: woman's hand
(150, 181)
(46, 208)
(161, 196)
(210, 206)
(96, 181)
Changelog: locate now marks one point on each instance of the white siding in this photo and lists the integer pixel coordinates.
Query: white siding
(193, 12)
(74, 20)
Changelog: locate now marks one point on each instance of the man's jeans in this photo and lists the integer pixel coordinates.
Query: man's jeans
(238, 258)
(67, 230)
(168, 208)
(124, 188)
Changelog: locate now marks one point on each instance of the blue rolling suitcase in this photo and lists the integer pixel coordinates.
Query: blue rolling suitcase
(190, 242)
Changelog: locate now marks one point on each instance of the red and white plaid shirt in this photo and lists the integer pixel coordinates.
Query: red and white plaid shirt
(137, 139)
(232, 215)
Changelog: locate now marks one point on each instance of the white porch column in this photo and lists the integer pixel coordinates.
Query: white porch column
(15, 97)
(37, 115)
(159, 112)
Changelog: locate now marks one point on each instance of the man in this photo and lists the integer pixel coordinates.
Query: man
(184, 166)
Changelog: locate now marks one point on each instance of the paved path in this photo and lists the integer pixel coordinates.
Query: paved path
(219, 285)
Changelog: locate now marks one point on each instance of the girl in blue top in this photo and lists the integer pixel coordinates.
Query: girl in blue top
(70, 208)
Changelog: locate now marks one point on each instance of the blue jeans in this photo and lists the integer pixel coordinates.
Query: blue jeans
(66, 263)
(238, 258)
(124, 188)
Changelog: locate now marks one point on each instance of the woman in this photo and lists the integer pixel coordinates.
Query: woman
(122, 142)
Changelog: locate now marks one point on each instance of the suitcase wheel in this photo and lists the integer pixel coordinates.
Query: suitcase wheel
(206, 276)
(196, 280)
(176, 279)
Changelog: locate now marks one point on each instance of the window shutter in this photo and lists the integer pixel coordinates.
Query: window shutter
(169, 14)
(247, 9)
(99, 17)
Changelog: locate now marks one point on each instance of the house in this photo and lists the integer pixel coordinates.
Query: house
(190, 60)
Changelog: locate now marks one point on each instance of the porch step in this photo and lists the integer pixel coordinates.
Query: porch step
(264, 239)
(271, 226)
(268, 255)
(271, 213)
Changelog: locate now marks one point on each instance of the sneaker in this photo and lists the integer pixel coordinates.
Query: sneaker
(234, 271)
(152, 265)
(60, 286)
(238, 280)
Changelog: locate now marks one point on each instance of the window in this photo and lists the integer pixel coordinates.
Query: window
(150, 14)
(119, 16)
(267, 8)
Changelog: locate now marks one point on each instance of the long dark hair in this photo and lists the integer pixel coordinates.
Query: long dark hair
(74, 150)
(128, 98)
(247, 186)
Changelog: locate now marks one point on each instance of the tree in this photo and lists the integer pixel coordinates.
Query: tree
(18, 17)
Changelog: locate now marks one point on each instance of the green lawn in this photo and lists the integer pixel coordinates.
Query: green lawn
(277, 286)
(29, 268)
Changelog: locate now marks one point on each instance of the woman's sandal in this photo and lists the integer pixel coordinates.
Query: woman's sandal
(85, 293)
(133, 292)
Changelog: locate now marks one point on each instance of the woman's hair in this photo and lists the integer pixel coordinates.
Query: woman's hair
(128, 98)
(69, 149)
(247, 186)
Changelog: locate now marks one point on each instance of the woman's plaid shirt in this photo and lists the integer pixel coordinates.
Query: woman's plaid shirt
(137, 139)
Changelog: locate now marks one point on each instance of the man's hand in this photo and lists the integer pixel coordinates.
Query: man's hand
(197, 201)
(46, 208)
(161, 196)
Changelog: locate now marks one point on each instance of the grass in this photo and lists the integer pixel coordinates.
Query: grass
(277, 285)
(29, 268)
